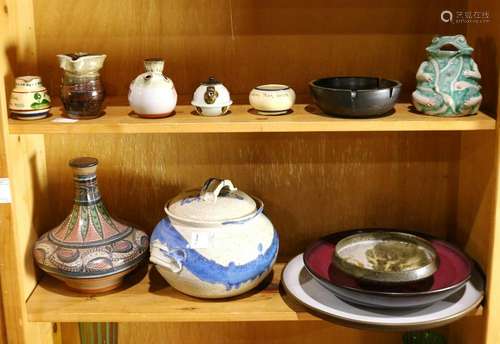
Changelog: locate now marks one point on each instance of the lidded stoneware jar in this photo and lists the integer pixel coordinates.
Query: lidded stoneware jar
(152, 94)
(211, 98)
(29, 98)
(82, 92)
(90, 251)
(215, 242)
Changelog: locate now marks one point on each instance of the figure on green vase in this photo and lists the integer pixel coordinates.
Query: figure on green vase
(447, 83)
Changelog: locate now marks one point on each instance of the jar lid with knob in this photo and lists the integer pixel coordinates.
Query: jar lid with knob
(217, 201)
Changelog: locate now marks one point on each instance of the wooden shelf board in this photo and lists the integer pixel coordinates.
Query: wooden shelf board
(146, 297)
(305, 118)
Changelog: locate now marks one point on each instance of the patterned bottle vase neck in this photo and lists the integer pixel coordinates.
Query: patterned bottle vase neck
(86, 189)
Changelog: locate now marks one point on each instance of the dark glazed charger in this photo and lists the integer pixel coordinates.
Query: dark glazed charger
(454, 271)
(355, 97)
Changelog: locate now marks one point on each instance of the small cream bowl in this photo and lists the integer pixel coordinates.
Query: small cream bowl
(272, 99)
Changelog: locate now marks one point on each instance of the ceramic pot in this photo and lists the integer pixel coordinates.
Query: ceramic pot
(215, 242)
(355, 96)
(211, 98)
(272, 99)
(29, 99)
(82, 92)
(448, 82)
(90, 251)
(152, 94)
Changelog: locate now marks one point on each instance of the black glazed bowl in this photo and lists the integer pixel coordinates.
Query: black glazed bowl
(356, 97)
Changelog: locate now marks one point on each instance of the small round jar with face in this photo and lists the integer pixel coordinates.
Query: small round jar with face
(211, 98)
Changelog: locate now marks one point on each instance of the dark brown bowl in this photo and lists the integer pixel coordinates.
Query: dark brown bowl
(356, 97)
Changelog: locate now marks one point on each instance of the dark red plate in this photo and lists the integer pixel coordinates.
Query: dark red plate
(453, 272)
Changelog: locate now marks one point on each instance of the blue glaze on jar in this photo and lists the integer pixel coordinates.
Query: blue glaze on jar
(207, 270)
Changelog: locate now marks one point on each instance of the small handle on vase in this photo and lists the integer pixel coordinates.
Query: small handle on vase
(172, 259)
(213, 187)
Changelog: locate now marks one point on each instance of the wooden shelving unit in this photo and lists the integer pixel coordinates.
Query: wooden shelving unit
(304, 118)
(316, 174)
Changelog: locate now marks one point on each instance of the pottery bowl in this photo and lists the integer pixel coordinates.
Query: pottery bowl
(356, 97)
(386, 257)
(453, 272)
(272, 99)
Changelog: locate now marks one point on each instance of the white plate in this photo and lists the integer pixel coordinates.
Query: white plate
(300, 284)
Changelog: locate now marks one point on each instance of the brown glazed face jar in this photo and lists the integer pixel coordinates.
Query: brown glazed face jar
(82, 92)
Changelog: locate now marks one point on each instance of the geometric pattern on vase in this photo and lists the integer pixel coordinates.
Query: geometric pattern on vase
(89, 243)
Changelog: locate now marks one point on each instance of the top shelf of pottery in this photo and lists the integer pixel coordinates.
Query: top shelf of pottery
(304, 118)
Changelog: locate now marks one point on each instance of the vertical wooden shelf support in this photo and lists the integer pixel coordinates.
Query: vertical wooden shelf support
(21, 157)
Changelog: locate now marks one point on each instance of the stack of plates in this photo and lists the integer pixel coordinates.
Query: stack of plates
(456, 288)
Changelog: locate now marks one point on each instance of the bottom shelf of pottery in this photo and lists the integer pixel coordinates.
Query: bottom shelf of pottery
(146, 297)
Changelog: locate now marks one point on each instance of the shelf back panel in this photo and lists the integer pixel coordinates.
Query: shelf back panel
(312, 184)
(243, 43)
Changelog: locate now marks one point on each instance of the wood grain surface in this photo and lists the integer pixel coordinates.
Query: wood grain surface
(247, 333)
(3, 329)
(312, 184)
(242, 118)
(19, 220)
(478, 187)
(242, 42)
(146, 297)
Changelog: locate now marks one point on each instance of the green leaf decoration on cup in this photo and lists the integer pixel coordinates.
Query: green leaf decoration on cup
(41, 105)
(41, 102)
